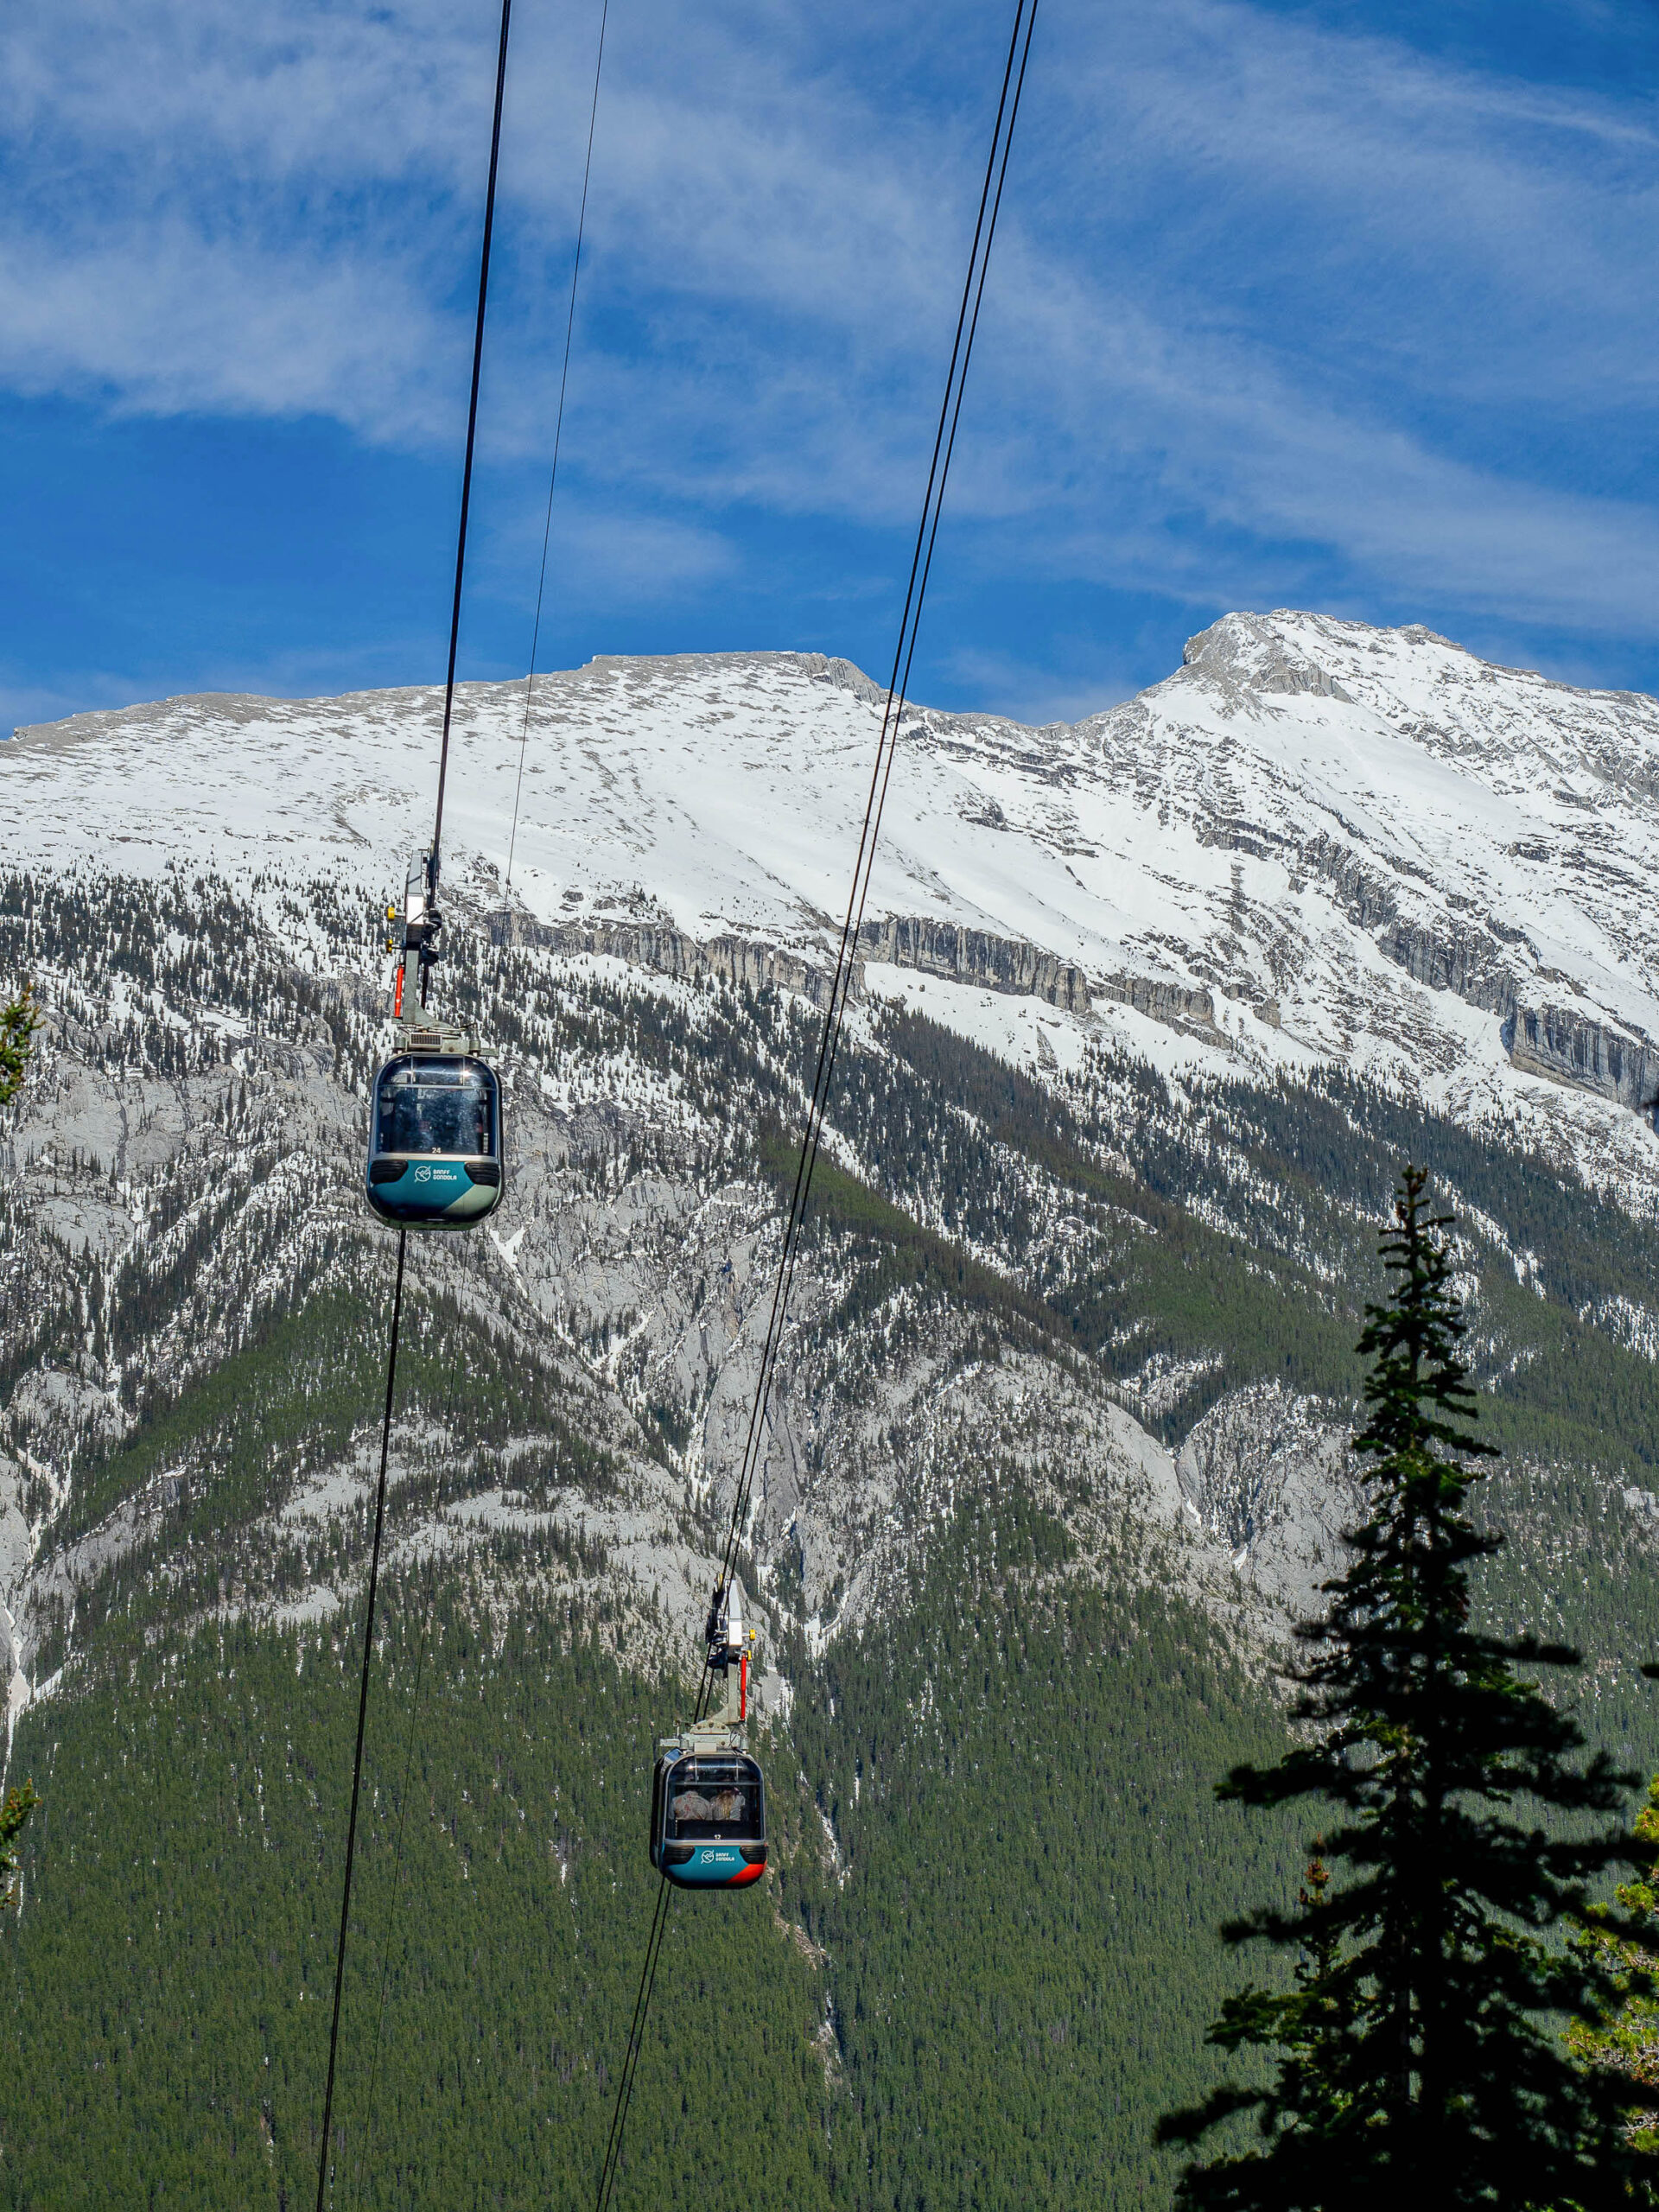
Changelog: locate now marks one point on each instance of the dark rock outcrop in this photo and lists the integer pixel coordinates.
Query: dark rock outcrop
(1478, 962)
(947, 949)
(1572, 1048)
(965, 955)
(1000, 963)
(672, 951)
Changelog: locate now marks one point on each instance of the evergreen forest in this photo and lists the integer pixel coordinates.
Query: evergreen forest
(983, 1959)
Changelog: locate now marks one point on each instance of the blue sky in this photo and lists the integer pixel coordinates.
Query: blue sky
(1341, 305)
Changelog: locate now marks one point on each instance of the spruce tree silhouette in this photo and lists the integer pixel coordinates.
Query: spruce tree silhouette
(1419, 2063)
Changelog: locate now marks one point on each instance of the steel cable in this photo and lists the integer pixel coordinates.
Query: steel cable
(402, 1234)
(362, 1722)
(429, 1606)
(887, 747)
(472, 432)
(612, 2159)
(944, 439)
(558, 429)
(558, 433)
(367, 2134)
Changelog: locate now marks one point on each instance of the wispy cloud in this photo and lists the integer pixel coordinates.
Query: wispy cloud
(23, 702)
(598, 556)
(1282, 310)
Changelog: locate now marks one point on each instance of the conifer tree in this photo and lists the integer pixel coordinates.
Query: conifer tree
(18, 1022)
(1417, 2061)
(19, 1804)
(1623, 2039)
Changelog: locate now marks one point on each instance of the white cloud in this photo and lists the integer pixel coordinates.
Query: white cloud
(162, 319)
(1275, 305)
(599, 558)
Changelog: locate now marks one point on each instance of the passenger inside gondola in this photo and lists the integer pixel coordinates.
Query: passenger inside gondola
(723, 1812)
(435, 1106)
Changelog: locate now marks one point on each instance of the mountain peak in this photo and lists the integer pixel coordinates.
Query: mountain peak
(1315, 843)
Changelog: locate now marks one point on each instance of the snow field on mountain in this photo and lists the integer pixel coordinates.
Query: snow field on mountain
(1248, 838)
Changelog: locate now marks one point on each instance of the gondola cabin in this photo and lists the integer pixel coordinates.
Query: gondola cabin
(435, 1141)
(707, 1819)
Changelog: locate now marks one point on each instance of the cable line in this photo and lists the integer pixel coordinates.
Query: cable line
(362, 1720)
(886, 746)
(944, 440)
(395, 1899)
(472, 432)
(558, 432)
(365, 2136)
(612, 2159)
(402, 1240)
(558, 428)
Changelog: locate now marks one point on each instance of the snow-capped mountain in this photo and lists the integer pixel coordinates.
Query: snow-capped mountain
(1318, 852)
(1150, 1012)
(1315, 843)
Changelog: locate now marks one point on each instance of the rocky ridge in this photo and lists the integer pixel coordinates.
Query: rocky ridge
(1315, 847)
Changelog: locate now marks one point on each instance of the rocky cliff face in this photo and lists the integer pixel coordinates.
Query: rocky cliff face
(1482, 830)
(181, 1176)
(1147, 1015)
(1314, 843)
(1271, 1476)
(1106, 973)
